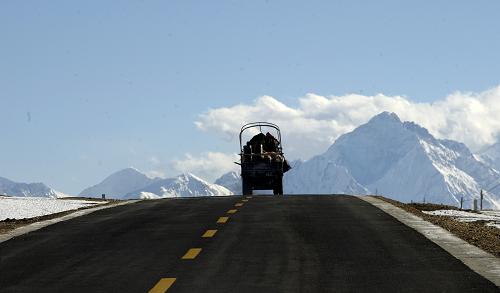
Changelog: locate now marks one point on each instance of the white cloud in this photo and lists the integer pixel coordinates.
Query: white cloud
(155, 173)
(208, 165)
(312, 126)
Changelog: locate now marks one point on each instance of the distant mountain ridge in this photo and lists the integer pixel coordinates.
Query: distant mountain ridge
(401, 160)
(118, 184)
(231, 181)
(491, 156)
(130, 183)
(11, 188)
(184, 185)
(398, 159)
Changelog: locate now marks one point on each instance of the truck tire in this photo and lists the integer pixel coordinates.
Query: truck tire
(278, 186)
(247, 187)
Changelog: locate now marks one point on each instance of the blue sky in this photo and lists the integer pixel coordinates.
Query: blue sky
(89, 88)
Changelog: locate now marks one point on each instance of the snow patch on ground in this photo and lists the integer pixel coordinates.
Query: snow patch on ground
(493, 217)
(30, 207)
(147, 195)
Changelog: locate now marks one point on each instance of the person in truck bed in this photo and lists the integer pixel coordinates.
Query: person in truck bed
(267, 147)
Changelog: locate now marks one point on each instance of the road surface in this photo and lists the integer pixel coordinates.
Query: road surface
(266, 244)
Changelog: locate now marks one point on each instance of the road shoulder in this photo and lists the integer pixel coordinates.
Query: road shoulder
(41, 224)
(475, 258)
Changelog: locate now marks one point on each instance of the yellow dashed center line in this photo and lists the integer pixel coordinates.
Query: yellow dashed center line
(192, 253)
(165, 283)
(162, 285)
(209, 233)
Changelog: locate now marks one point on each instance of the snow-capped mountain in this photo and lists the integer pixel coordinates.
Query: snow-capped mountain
(306, 178)
(11, 188)
(185, 185)
(400, 160)
(491, 156)
(118, 184)
(231, 181)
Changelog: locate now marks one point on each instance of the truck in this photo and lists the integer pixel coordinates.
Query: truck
(262, 159)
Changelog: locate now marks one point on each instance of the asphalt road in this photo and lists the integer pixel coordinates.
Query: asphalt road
(286, 244)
